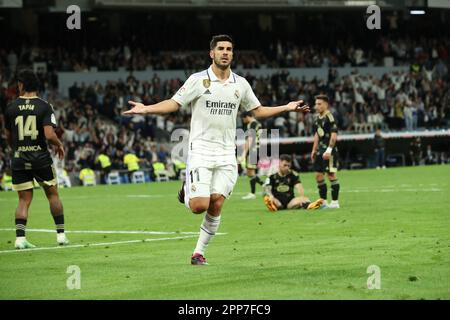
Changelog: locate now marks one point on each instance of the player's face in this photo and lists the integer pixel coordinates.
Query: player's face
(320, 106)
(285, 167)
(222, 54)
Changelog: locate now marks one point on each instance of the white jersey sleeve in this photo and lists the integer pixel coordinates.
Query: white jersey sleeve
(188, 92)
(249, 100)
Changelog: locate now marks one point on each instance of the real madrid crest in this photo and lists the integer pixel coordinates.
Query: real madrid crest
(236, 94)
(193, 188)
(206, 83)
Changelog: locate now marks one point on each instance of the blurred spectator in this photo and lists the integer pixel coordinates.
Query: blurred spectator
(379, 150)
(132, 163)
(105, 165)
(430, 156)
(6, 180)
(87, 177)
(415, 151)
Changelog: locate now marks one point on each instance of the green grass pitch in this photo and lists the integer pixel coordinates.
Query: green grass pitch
(397, 219)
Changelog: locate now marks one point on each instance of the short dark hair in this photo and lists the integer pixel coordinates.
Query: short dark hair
(220, 37)
(323, 97)
(29, 80)
(286, 157)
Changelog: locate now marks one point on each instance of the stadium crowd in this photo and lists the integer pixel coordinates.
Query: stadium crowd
(277, 55)
(90, 121)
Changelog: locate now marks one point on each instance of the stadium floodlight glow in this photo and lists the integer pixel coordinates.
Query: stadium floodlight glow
(417, 12)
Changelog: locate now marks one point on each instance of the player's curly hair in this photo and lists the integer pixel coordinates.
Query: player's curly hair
(29, 80)
(220, 37)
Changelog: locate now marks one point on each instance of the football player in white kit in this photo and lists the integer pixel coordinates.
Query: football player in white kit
(215, 96)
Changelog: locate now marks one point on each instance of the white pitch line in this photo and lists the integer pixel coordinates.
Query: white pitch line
(107, 231)
(94, 244)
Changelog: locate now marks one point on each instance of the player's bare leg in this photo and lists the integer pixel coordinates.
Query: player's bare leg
(299, 202)
(277, 203)
(208, 228)
(199, 204)
(25, 198)
(272, 203)
(57, 211)
(304, 203)
(334, 190)
(322, 186)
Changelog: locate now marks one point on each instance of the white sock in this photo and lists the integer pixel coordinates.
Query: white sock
(20, 238)
(208, 229)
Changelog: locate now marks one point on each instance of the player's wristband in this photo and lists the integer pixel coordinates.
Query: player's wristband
(329, 149)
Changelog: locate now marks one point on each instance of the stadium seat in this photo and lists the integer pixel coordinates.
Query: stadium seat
(113, 178)
(162, 175)
(63, 178)
(89, 180)
(138, 177)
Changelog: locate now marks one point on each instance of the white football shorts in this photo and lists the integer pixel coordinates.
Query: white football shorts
(206, 175)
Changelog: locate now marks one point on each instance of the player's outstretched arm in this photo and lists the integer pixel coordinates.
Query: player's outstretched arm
(267, 112)
(163, 107)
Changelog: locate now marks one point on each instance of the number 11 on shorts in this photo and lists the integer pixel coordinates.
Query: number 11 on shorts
(196, 173)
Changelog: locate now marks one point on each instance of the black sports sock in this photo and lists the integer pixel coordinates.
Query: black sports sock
(258, 181)
(21, 224)
(335, 186)
(59, 223)
(322, 189)
(253, 185)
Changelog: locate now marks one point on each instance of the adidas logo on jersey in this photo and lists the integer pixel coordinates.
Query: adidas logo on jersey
(207, 92)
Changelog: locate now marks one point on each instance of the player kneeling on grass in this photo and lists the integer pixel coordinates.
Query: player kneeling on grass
(280, 189)
(29, 125)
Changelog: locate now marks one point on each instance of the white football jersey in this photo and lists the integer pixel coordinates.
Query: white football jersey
(214, 110)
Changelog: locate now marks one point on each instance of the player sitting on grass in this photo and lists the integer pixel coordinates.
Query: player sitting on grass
(280, 188)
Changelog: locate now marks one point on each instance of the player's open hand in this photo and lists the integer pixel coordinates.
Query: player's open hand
(298, 106)
(326, 156)
(60, 152)
(313, 156)
(138, 108)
